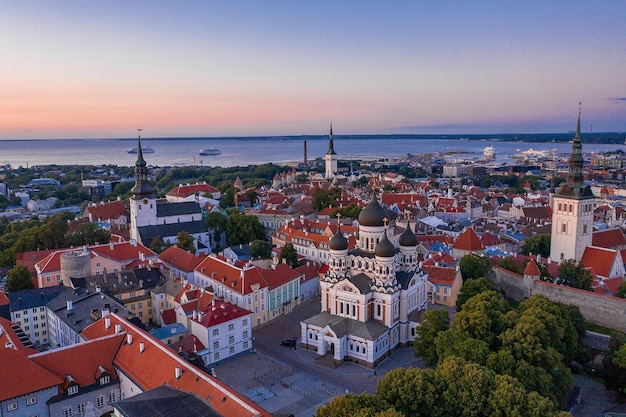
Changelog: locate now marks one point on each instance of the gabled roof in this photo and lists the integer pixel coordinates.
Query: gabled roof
(439, 275)
(107, 211)
(10, 340)
(468, 241)
(221, 271)
(157, 364)
(82, 361)
(183, 191)
(609, 238)
(181, 259)
(532, 269)
(220, 312)
(601, 260)
(24, 374)
(165, 401)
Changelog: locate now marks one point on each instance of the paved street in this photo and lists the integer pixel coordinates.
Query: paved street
(284, 380)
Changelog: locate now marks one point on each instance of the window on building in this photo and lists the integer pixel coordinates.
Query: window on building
(105, 379)
(100, 401)
(231, 350)
(216, 356)
(31, 400)
(140, 314)
(12, 406)
(584, 229)
(71, 390)
(216, 345)
(245, 345)
(231, 327)
(80, 408)
(68, 411)
(245, 322)
(112, 397)
(564, 227)
(245, 334)
(216, 332)
(231, 339)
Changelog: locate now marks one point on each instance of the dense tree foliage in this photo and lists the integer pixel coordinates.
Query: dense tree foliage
(242, 229)
(455, 387)
(510, 264)
(158, 245)
(216, 222)
(474, 266)
(621, 291)
(325, 198)
(433, 322)
(574, 275)
(87, 234)
(185, 241)
(289, 254)
(260, 249)
(18, 279)
(472, 287)
(351, 211)
(614, 363)
(537, 244)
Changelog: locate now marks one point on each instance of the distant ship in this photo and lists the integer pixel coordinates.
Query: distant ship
(489, 152)
(209, 151)
(144, 149)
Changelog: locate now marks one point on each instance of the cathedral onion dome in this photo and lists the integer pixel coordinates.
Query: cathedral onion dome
(408, 238)
(385, 248)
(338, 241)
(373, 214)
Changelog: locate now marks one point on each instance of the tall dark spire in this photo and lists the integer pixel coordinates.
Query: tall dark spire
(331, 147)
(142, 188)
(575, 187)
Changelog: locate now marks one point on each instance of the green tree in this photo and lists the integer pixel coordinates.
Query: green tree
(574, 275)
(612, 364)
(289, 254)
(158, 245)
(537, 244)
(88, 234)
(252, 197)
(216, 222)
(18, 279)
(472, 287)
(241, 228)
(510, 264)
(351, 211)
(621, 291)
(433, 322)
(185, 241)
(474, 266)
(324, 198)
(260, 249)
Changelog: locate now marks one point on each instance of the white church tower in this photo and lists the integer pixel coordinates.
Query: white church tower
(143, 207)
(331, 157)
(573, 204)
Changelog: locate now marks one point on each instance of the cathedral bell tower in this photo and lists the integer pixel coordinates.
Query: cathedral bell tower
(573, 204)
(331, 157)
(143, 211)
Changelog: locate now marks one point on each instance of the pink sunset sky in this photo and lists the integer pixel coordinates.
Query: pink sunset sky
(209, 68)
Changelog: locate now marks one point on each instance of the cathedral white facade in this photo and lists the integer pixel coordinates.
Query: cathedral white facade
(371, 296)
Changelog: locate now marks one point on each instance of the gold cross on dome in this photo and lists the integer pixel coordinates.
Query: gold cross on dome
(385, 220)
(338, 217)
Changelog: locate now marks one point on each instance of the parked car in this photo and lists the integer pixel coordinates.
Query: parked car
(289, 342)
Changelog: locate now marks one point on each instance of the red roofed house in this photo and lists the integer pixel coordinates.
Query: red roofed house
(606, 263)
(467, 243)
(444, 284)
(113, 212)
(143, 363)
(181, 262)
(188, 192)
(609, 238)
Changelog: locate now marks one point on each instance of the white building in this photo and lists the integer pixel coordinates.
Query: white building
(370, 296)
(573, 205)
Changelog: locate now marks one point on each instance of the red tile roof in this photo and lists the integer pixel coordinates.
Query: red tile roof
(532, 269)
(9, 339)
(25, 375)
(601, 260)
(181, 259)
(157, 365)
(183, 191)
(468, 241)
(610, 238)
(107, 211)
(168, 316)
(220, 312)
(94, 354)
(440, 275)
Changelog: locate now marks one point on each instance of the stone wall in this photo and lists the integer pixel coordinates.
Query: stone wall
(597, 309)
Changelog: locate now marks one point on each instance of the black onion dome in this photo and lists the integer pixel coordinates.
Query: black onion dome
(338, 241)
(408, 238)
(385, 248)
(373, 214)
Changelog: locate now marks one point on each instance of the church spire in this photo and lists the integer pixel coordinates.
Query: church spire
(331, 147)
(575, 176)
(142, 188)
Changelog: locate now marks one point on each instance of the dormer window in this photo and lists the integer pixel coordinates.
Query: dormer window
(72, 389)
(105, 379)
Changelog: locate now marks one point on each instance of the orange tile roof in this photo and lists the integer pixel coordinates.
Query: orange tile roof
(9, 339)
(468, 241)
(123, 251)
(181, 259)
(532, 269)
(157, 364)
(219, 312)
(599, 259)
(25, 375)
(107, 211)
(93, 354)
(183, 191)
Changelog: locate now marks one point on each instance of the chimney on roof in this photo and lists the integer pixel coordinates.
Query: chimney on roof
(142, 257)
(194, 315)
(142, 347)
(141, 283)
(179, 372)
(111, 245)
(133, 243)
(129, 338)
(118, 328)
(107, 323)
(70, 305)
(120, 280)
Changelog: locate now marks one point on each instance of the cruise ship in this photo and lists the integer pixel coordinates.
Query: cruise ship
(209, 151)
(144, 149)
(489, 152)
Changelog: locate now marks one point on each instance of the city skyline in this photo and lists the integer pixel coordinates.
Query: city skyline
(87, 70)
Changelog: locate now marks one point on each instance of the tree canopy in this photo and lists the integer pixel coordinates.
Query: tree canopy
(289, 254)
(472, 287)
(242, 229)
(537, 244)
(18, 279)
(185, 241)
(260, 249)
(574, 275)
(474, 266)
(433, 322)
